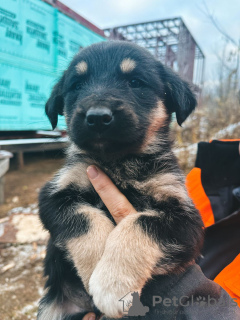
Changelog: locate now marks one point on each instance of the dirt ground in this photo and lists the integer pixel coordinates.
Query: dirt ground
(21, 281)
(22, 186)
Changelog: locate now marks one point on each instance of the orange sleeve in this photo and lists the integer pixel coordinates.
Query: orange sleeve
(229, 279)
(199, 197)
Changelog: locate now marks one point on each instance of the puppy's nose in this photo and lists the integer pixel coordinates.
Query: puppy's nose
(99, 119)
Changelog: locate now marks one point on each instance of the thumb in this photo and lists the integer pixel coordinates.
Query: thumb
(114, 200)
(89, 316)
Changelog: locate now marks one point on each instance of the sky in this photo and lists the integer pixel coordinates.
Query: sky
(110, 13)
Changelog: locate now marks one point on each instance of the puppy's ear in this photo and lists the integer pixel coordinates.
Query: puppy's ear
(55, 103)
(179, 97)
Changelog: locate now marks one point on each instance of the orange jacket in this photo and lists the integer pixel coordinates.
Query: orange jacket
(229, 277)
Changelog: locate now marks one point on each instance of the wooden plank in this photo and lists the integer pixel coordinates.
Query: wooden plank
(49, 133)
(36, 147)
(29, 145)
(32, 141)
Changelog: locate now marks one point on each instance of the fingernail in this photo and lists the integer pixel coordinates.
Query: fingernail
(92, 172)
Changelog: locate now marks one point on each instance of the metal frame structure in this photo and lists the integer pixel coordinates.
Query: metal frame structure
(170, 41)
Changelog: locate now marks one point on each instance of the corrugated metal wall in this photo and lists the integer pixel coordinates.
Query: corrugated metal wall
(36, 44)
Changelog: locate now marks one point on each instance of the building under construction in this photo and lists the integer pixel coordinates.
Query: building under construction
(170, 41)
(38, 39)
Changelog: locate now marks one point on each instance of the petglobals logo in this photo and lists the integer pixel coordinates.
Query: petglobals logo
(188, 301)
(132, 306)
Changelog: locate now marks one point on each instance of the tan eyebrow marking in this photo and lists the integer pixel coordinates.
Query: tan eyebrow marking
(127, 65)
(81, 67)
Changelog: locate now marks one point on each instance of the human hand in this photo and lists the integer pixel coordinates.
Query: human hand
(117, 204)
(89, 316)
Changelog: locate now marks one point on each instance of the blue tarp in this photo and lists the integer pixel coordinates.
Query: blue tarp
(36, 44)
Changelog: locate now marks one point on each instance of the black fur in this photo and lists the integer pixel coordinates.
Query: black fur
(119, 152)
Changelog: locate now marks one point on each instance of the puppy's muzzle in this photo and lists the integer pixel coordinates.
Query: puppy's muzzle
(99, 119)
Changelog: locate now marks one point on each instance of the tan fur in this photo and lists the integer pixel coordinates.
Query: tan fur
(158, 118)
(162, 186)
(76, 174)
(127, 65)
(74, 149)
(129, 259)
(87, 250)
(82, 67)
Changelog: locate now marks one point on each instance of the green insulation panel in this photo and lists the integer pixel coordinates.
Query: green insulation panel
(36, 44)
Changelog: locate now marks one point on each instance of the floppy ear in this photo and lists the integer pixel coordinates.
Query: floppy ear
(179, 97)
(55, 104)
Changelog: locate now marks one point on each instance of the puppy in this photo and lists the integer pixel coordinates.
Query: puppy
(117, 100)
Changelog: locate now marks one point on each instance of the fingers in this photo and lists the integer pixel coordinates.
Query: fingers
(114, 200)
(89, 316)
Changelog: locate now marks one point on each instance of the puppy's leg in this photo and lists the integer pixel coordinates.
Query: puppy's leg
(128, 261)
(142, 245)
(56, 311)
(86, 250)
(65, 295)
(79, 231)
(59, 310)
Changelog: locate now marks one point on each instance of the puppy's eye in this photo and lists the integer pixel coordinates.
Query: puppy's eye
(136, 83)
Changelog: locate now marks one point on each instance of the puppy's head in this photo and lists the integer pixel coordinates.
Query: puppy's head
(117, 97)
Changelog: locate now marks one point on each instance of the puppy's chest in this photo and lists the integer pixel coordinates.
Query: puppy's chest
(131, 180)
(134, 187)
(147, 190)
(140, 200)
(143, 188)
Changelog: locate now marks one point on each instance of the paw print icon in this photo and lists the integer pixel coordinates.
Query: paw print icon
(200, 301)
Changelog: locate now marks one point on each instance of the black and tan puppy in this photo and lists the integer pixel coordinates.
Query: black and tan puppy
(117, 101)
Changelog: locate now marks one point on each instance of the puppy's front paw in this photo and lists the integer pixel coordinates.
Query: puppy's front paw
(108, 288)
(128, 261)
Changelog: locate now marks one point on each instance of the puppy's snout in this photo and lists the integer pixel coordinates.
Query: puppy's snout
(99, 119)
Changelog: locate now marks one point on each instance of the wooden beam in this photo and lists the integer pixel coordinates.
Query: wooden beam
(2, 190)
(20, 159)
